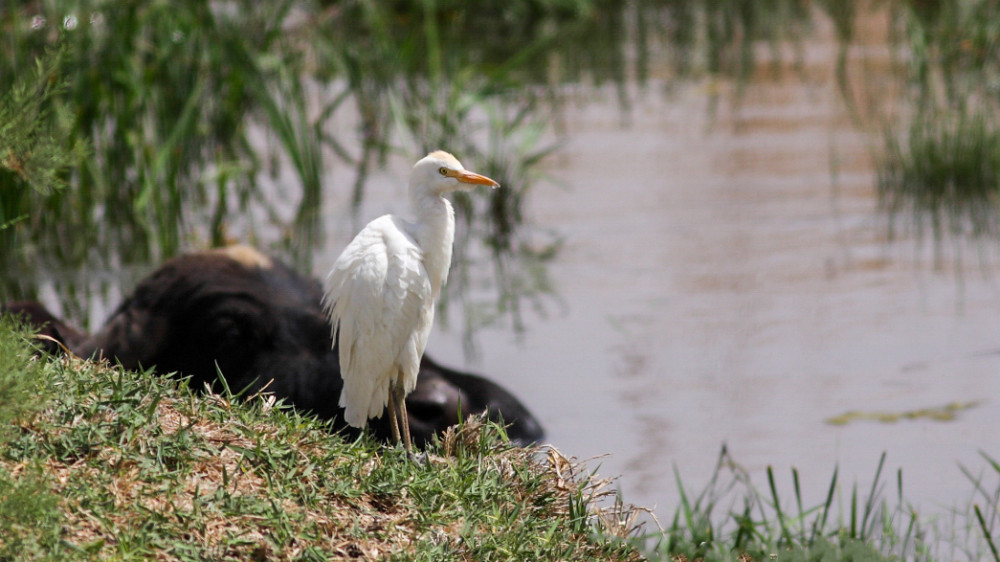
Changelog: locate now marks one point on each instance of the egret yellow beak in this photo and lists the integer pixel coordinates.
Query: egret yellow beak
(466, 176)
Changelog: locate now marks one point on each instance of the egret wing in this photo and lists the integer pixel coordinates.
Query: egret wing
(376, 295)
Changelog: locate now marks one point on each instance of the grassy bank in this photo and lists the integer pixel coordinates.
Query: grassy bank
(101, 463)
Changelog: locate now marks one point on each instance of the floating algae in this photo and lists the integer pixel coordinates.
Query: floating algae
(943, 413)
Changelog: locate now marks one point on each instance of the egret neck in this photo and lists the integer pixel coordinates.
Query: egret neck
(434, 231)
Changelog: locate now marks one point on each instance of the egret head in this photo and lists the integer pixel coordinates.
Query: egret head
(440, 172)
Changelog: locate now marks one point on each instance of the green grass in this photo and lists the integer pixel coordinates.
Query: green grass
(731, 517)
(103, 463)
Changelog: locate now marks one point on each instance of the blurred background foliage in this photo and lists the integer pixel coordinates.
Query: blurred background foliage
(146, 128)
(134, 130)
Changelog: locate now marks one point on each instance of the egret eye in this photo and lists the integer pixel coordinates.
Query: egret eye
(443, 171)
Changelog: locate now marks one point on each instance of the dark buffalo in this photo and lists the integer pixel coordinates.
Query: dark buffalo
(261, 325)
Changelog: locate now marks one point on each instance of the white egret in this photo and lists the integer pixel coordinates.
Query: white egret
(381, 291)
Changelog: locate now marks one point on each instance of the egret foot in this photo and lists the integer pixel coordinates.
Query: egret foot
(421, 458)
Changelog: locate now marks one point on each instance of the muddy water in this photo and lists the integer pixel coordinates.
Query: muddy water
(729, 281)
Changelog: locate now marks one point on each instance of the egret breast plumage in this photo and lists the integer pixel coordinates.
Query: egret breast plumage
(381, 291)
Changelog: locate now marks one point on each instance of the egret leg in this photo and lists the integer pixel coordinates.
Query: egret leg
(393, 421)
(403, 418)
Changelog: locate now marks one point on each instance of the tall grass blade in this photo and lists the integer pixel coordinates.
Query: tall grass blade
(685, 508)
(986, 533)
(853, 529)
(798, 501)
(899, 486)
(872, 495)
(785, 534)
(821, 526)
(993, 463)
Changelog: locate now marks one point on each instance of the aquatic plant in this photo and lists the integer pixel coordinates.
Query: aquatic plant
(938, 166)
(944, 175)
(732, 517)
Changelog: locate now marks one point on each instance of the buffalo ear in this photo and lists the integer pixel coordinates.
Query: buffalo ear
(57, 334)
(133, 337)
